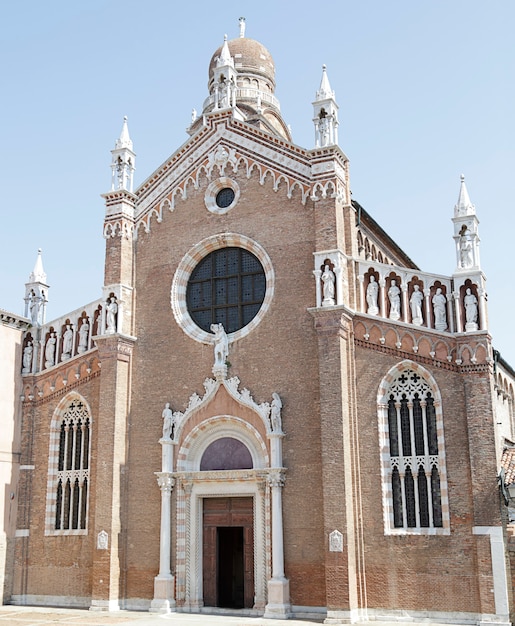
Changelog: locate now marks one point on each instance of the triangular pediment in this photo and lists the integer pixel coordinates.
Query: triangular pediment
(222, 394)
(223, 148)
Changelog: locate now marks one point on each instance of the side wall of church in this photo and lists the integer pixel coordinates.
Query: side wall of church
(457, 568)
(51, 567)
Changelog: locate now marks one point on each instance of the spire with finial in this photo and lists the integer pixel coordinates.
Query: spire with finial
(123, 161)
(464, 206)
(225, 55)
(325, 114)
(325, 90)
(242, 27)
(36, 293)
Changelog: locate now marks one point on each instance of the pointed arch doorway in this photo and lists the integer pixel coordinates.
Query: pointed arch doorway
(228, 552)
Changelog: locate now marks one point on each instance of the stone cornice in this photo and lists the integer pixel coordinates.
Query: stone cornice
(14, 321)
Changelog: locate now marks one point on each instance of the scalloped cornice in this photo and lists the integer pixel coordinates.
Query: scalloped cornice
(227, 146)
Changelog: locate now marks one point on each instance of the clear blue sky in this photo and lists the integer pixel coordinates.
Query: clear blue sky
(425, 88)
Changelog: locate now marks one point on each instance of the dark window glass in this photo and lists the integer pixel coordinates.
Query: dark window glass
(224, 197)
(423, 505)
(228, 286)
(437, 499)
(392, 427)
(409, 487)
(397, 499)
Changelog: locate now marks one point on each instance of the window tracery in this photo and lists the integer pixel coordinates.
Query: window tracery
(69, 477)
(414, 477)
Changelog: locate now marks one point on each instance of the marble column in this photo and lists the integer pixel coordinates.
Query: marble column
(278, 606)
(164, 582)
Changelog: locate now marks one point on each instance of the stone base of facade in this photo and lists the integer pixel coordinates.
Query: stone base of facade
(104, 605)
(278, 605)
(164, 600)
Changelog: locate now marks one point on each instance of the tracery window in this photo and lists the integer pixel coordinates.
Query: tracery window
(69, 478)
(413, 468)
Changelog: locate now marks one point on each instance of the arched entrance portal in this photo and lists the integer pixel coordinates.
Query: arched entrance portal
(228, 552)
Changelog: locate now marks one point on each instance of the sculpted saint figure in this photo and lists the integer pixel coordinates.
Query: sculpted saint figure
(465, 250)
(372, 293)
(439, 302)
(275, 413)
(168, 422)
(112, 310)
(221, 344)
(394, 295)
(83, 336)
(50, 350)
(328, 286)
(416, 306)
(470, 302)
(27, 357)
(67, 341)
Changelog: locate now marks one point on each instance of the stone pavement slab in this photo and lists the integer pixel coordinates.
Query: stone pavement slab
(44, 616)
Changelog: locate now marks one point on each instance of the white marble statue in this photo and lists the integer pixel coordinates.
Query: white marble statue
(27, 357)
(470, 303)
(439, 307)
(275, 413)
(168, 422)
(465, 250)
(67, 342)
(221, 344)
(328, 280)
(372, 293)
(50, 350)
(83, 336)
(416, 306)
(394, 295)
(112, 310)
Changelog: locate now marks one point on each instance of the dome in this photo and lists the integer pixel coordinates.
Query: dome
(250, 57)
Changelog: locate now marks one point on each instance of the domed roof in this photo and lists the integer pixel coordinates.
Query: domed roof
(249, 56)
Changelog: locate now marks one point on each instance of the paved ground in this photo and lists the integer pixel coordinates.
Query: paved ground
(42, 616)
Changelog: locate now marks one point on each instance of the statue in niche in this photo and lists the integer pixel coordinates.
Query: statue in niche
(83, 336)
(372, 293)
(50, 350)
(221, 344)
(168, 422)
(27, 357)
(275, 413)
(112, 310)
(33, 307)
(394, 295)
(328, 281)
(470, 303)
(465, 250)
(439, 307)
(67, 342)
(323, 127)
(416, 306)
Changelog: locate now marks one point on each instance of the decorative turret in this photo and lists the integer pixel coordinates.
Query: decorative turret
(469, 281)
(325, 114)
(466, 233)
(123, 161)
(242, 79)
(36, 294)
(224, 76)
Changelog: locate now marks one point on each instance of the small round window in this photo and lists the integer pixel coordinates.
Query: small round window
(226, 287)
(225, 197)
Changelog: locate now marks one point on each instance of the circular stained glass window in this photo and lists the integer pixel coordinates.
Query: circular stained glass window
(226, 287)
(225, 197)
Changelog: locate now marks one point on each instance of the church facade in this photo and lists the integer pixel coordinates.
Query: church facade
(271, 408)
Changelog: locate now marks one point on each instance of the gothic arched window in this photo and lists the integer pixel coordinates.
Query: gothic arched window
(413, 463)
(69, 478)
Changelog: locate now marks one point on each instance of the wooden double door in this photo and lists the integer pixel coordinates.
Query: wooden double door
(228, 552)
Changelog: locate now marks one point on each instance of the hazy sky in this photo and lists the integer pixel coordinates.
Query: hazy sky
(425, 89)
